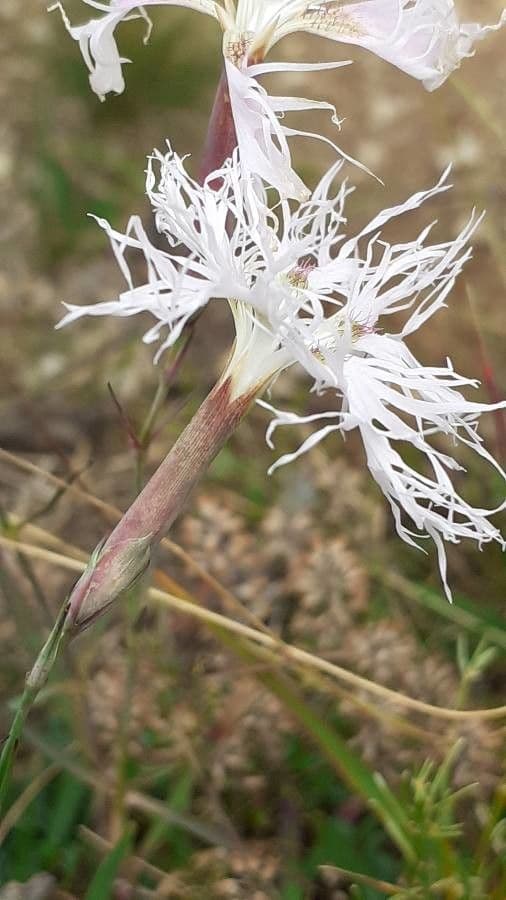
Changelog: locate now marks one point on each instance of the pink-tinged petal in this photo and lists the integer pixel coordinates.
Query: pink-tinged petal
(261, 132)
(261, 139)
(423, 38)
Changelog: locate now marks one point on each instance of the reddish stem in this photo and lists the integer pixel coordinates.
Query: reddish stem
(221, 138)
(489, 380)
(126, 552)
(495, 396)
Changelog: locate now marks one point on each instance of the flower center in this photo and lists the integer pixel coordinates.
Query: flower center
(341, 332)
(298, 277)
(236, 46)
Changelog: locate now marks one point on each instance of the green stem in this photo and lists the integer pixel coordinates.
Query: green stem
(35, 681)
(146, 432)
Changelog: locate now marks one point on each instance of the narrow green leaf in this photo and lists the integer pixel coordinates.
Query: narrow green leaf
(462, 612)
(65, 811)
(103, 880)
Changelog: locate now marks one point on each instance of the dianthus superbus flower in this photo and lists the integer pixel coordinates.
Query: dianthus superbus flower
(421, 37)
(302, 291)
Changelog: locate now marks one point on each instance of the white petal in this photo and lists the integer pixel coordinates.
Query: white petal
(262, 143)
(423, 38)
(261, 135)
(97, 42)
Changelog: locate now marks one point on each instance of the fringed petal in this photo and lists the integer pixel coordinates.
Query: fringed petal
(423, 38)
(98, 44)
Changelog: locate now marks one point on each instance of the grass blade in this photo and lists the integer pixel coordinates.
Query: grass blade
(463, 612)
(103, 880)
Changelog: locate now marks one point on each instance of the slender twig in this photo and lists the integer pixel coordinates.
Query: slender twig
(124, 418)
(384, 887)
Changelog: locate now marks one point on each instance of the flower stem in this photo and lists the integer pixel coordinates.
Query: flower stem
(122, 559)
(221, 138)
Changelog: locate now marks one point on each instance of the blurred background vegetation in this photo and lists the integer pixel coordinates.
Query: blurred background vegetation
(168, 757)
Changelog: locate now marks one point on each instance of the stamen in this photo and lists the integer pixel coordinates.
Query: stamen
(298, 277)
(342, 327)
(236, 46)
(328, 17)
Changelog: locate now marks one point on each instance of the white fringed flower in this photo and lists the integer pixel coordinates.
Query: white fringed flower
(258, 117)
(223, 243)
(301, 291)
(421, 37)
